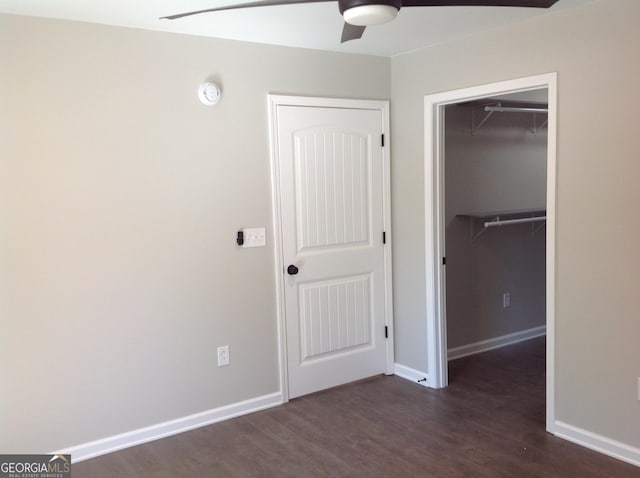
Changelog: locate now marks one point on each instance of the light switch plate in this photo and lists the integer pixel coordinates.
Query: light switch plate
(255, 237)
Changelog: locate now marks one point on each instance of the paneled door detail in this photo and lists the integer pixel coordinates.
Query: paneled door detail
(332, 219)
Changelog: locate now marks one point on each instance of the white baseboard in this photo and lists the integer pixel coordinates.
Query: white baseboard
(494, 343)
(172, 427)
(598, 443)
(411, 374)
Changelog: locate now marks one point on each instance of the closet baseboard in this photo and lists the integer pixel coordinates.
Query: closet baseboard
(496, 342)
(411, 374)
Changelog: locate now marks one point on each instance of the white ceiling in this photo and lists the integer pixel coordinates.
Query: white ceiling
(316, 26)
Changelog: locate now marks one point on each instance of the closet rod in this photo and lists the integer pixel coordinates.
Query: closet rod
(513, 109)
(514, 221)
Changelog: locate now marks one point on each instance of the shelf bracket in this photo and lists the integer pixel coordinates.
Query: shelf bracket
(538, 128)
(535, 228)
(476, 234)
(474, 127)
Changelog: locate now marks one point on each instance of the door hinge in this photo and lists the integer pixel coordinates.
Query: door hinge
(386, 332)
(384, 237)
(444, 261)
(382, 140)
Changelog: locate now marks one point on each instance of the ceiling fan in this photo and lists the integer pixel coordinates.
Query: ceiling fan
(358, 14)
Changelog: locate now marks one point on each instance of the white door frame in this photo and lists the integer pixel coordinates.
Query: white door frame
(434, 222)
(382, 106)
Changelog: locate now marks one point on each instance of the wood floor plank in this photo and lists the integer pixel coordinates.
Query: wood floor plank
(488, 423)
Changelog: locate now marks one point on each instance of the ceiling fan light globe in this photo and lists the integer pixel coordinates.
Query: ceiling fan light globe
(365, 15)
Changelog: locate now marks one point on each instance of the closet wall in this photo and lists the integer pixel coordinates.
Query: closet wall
(500, 167)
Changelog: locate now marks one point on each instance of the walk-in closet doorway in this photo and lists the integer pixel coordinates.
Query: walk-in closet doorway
(490, 214)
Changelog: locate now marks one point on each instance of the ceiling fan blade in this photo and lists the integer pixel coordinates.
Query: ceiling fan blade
(351, 32)
(265, 3)
(479, 3)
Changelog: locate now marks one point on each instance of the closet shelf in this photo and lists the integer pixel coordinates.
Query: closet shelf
(479, 222)
(499, 108)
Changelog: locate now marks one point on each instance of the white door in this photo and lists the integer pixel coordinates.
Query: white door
(331, 176)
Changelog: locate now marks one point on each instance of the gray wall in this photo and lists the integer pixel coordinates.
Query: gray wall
(501, 167)
(594, 49)
(120, 196)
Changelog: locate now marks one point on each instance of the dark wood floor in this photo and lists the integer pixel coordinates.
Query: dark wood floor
(488, 423)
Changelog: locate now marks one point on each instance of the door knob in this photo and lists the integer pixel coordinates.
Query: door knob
(292, 270)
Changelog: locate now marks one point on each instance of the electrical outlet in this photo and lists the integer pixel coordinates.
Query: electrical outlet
(506, 300)
(223, 356)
